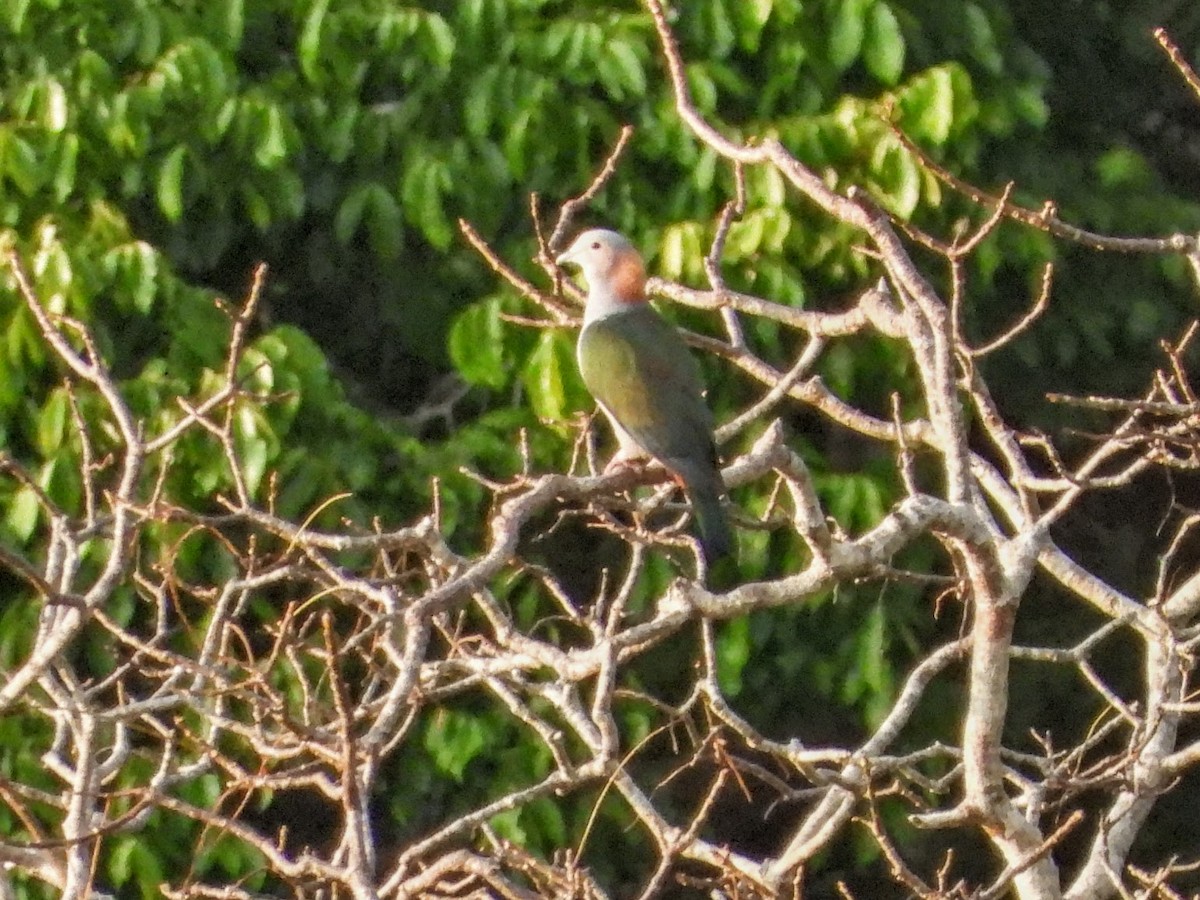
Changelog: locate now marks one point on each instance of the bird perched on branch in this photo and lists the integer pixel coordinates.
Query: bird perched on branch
(637, 367)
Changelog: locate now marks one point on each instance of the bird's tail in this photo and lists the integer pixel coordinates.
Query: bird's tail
(716, 537)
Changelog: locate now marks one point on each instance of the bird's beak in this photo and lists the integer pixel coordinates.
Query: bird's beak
(566, 258)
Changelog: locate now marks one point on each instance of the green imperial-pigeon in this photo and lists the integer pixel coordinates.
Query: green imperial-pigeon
(642, 375)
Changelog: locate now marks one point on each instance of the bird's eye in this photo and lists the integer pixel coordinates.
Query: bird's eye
(595, 245)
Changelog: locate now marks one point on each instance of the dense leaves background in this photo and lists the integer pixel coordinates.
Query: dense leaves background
(150, 153)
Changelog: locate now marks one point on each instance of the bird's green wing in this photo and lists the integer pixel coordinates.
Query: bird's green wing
(637, 366)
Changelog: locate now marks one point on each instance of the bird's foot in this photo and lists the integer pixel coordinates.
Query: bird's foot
(624, 461)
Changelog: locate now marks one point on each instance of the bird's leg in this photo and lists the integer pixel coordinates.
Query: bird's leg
(626, 457)
(629, 455)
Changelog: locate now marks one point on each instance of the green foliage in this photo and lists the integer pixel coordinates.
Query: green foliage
(453, 739)
(133, 860)
(551, 378)
(733, 652)
(172, 137)
(151, 151)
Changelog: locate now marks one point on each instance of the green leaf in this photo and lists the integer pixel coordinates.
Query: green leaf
(149, 36)
(439, 39)
(671, 253)
(871, 676)
(1124, 167)
(52, 422)
(14, 12)
(309, 49)
(133, 859)
(19, 162)
(516, 141)
(679, 250)
(702, 87)
(350, 212)
(120, 860)
(545, 376)
(422, 189)
(339, 132)
(384, 221)
(454, 739)
(842, 494)
(983, 39)
(883, 44)
(254, 454)
(169, 187)
(52, 265)
(66, 166)
(122, 605)
(230, 16)
(746, 236)
(508, 826)
(205, 790)
(733, 652)
(1030, 104)
(752, 16)
(717, 26)
(292, 351)
(258, 207)
(704, 171)
(625, 73)
(479, 106)
(544, 817)
(373, 206)
(231, 859)
(928, 103)
(847, 27)
(271, 146)
(476, 344)
(899, 176)
(54, 106)
(134, 266)
(256, 445)
(22, 515)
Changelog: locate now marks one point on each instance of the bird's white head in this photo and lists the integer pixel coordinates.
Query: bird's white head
(612, 266)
